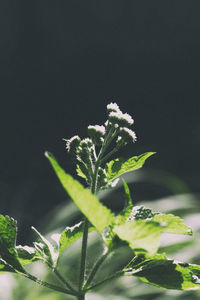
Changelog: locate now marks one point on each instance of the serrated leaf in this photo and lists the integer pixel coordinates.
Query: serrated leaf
(99, 215)
(70, 235)
(126, 212)
(26, 254)
(172, 224)
(45, 250)
(119, 166)
(8, 232)
(146, 234)
(167, 273)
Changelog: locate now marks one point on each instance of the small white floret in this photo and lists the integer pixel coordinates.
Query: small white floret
(97, 128)
(113, 107)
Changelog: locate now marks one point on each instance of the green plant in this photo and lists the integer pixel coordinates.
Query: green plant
(137, 227)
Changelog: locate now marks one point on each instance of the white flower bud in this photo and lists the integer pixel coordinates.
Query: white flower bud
(96, 129)
(96, 133)
(128, 135)
(73, 143)
(120, 119)
(113, 107)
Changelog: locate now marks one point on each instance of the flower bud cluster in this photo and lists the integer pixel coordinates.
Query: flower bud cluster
(84, 150)
(122, 122)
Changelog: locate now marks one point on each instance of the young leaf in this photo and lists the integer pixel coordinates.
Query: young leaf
(126, 212)
(45, 250)
(70, 235)
(167, 273)
(80, 172)
(8, 232)
(26, 254)
(119, 166)
(99, 215)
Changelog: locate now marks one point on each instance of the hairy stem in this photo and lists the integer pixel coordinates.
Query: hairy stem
(50, 285)
(68, 285)
(96, 267)
(81, 297)
(83, 255)
(119, 273)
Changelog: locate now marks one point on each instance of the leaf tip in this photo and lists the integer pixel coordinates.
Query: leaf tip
(47, 154)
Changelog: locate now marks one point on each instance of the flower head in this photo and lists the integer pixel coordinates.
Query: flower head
(72, 143)
(124, 120)
(128, 135)
(113, 107)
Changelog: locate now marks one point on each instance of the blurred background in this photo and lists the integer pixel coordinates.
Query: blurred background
(62, 62)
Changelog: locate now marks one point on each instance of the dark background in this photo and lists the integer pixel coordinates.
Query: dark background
(61, 62)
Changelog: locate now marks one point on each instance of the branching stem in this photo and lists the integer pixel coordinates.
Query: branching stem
(60, 277)
(118, 274)
(96, 267)
(50, 285)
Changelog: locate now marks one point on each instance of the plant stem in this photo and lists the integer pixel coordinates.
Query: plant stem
(49, 285)
(81, 297)
(57, 273)
(119, 273)
(83, 255)
(96, 267)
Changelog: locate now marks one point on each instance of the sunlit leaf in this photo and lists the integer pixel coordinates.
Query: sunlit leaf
(26, 254)
(141, 235)
(8, 232)
(172, 224)
(70, 235)
(45, 250)
(119, 166)
(80, 172)
(146, 234)
(126, 212)
(97, 214)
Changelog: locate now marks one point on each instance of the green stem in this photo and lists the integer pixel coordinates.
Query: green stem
(119, 273)
(83, 255)
(49, 285)
(81, 297)
(57, 273)
(96, 267)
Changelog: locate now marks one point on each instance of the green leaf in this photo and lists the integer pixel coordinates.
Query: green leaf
(145, 234)
(70, 235)
(141, 235)
(119, 166)
(173, 224)
(167, 274)
(26, 254)
(99, 215)
(45, 250)
(126, 212)
(80, 172)
(8, 232)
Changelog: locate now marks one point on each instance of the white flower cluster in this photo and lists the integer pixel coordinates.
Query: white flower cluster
(117, 117)
(122, 121)
(116, 129)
